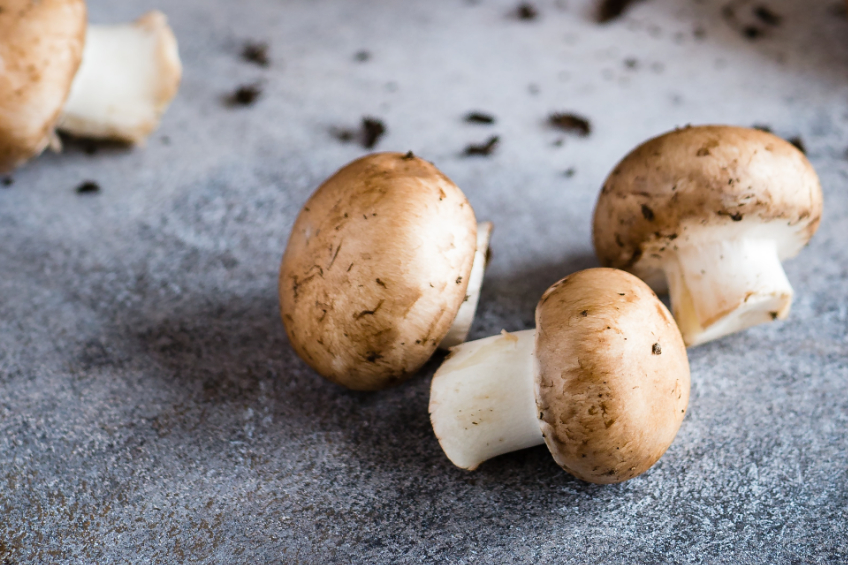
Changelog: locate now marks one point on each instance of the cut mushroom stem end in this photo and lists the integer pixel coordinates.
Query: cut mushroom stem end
(461, 325)
(128, 76)
(482, 400)
(721, 287)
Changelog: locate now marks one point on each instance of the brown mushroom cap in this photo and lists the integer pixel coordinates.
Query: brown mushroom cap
(612, 380)
(40, 50)
(376, 269)
(672, 185)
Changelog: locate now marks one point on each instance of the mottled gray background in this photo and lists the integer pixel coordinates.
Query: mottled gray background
(151, 410)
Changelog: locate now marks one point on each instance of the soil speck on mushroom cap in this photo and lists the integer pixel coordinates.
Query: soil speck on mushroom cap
(7, 182)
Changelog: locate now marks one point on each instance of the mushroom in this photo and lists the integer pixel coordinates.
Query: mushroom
(108, 82)
(603, 380)
(384, 263)
(709, 213)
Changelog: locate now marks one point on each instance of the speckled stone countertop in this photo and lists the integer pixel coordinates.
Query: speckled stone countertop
(152, 411)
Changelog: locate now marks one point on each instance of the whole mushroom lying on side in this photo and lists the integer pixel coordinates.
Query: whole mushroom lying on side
(384, 264)
(106, 82)
(711, 212)
(603, 380)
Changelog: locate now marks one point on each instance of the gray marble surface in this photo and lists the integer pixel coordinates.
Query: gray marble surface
(151, 410)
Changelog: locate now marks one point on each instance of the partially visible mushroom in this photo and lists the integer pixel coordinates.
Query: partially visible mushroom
(384, 263)
(603, 380)
(41, 47)
(127, 78)
(709, 213)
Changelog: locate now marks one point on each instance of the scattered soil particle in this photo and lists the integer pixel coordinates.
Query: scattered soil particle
(767, 16)
(610, 10)
(7, 182)
(798, 143)
(752, 32)
(372, 129)
(747, 25)
(369, 133)
(631, 63)
(482, 149)
(700, 33)
(796, 140)
(571, 123)
(88, 187)
(344, 135)
(362, 56)
(656, 349)
(839, 10)
(245, 95)
(256, 53)
(526, 11)
(479, 118)
(570, 172)
(647, 213)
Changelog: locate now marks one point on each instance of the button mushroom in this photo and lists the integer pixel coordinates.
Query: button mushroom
(603, 380)
(384, 263)
(709, 213)
(111, 82)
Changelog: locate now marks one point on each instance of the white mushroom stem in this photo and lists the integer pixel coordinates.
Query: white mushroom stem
(721, 287)
(464, 318)
(128, 76)
(482, 400)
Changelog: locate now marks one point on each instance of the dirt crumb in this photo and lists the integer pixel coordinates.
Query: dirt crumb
(798, 143)
(368, 135)
(256, 53)
(482, 149)
(526, 11)
(6, 182)
(610, 10)
(767, 16)
(372, 130)
(479, 118)
(88, 187)
(362, 56)
(571, 123)
(245, 95)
